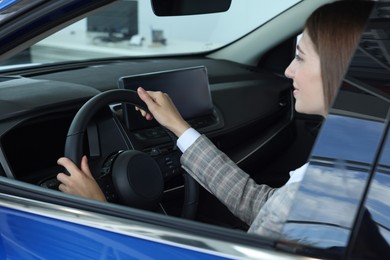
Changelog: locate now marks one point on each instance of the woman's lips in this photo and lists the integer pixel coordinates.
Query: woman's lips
(295, 91)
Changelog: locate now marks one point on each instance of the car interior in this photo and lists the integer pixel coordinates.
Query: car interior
(246, 109)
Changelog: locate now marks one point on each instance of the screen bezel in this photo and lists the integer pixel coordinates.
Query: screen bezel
(192, 101)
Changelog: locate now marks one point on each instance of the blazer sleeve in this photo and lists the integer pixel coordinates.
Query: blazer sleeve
(225, 180)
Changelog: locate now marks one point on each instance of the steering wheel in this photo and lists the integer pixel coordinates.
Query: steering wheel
(131, 177)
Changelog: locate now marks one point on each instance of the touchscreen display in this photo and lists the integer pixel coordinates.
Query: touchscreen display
(188, 88)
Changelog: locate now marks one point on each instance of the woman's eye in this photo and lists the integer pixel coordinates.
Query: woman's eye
(298, 58)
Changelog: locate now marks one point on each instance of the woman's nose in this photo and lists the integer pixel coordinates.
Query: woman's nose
(289, 72)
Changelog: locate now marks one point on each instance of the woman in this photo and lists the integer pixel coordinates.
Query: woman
(329, 39)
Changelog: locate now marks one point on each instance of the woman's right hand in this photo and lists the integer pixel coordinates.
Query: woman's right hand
(80, 182)
(163, 110)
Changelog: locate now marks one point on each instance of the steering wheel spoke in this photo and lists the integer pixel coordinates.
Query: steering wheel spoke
(130, 177)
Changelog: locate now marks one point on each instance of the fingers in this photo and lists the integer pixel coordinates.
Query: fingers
(61, 187)
(85, 166)
(145, 114)
(72, 168)
(64, 188)
(148, 116)
(64, 179)
(163, 110)
(68, 164)
(145, 96)
(154, 100)
(81, 182)
(149, 101)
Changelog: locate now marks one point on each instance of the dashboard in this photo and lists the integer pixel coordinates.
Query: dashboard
(242, 113)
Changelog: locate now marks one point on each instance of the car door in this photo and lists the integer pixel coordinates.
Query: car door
(341, 209)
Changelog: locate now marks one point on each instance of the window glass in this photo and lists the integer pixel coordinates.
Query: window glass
(327, 203)
(130, 28)
(373, 234)
(329, 195)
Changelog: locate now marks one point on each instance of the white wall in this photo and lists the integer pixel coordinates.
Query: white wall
(250, 13)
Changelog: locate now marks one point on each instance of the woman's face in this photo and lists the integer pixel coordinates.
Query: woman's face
(305, 71)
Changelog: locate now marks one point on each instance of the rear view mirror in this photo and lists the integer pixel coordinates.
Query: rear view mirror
(189, 7)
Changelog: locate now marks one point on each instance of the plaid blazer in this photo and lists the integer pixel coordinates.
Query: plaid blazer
(264, 208)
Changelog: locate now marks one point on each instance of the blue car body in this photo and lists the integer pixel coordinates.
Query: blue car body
(340, 211)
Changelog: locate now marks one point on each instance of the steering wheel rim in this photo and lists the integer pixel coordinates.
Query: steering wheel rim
(78, 127)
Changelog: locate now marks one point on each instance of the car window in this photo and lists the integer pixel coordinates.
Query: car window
(328, 202)
(339, 168)
(130, 28)
(9, 8)
(372, 237)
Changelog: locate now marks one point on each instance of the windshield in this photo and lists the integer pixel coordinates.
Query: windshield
(129, 28)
